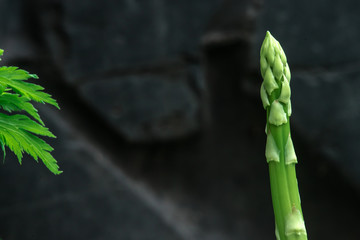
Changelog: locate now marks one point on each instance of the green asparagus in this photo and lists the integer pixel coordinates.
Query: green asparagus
(279, 152)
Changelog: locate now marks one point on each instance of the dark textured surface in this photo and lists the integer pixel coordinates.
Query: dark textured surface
(329, 115)
(123, 34)
(313, 33)
(161, 132)
(87, 201)
(146, 108)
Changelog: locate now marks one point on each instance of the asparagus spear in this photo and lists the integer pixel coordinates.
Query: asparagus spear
(280, 154)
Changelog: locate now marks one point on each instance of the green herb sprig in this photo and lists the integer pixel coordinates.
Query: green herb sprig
(20, 122)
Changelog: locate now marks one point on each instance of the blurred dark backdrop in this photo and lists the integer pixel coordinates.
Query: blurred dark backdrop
(161, 132)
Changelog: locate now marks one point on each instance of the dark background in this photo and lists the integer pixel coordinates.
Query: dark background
(161, 132)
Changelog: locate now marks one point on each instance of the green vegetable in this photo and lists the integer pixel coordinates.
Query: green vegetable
(19, 132)
(280, 154)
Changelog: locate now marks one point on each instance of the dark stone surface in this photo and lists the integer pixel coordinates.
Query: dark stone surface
(117, 62)
(15, 33)
(312, 32)
(234, 21)
(108, 34)
(326, 113)
(87, 201)
(145, 108)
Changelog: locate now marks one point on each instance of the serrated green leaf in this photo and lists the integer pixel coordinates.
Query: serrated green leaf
(14, 102)
(15, 73)
(17, 133)
(15, 79)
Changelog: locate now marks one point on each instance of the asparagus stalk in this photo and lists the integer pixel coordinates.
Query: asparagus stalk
(280, 154)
